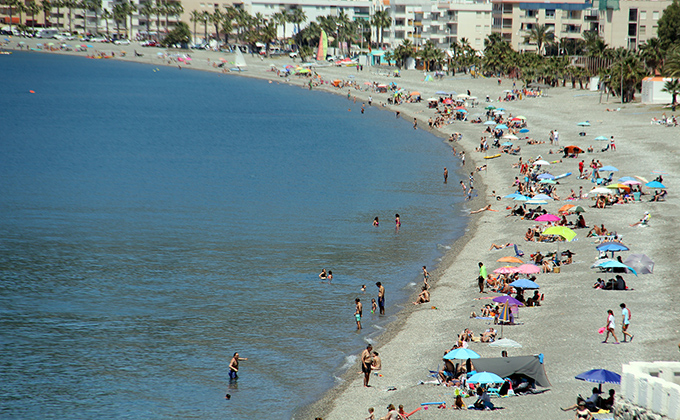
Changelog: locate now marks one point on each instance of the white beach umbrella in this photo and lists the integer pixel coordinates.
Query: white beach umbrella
(541, 162)
(600, 190)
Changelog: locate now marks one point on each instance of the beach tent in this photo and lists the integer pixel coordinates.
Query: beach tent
(530, 366)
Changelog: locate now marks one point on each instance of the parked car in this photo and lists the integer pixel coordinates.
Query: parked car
(150, 43)
(122, 42)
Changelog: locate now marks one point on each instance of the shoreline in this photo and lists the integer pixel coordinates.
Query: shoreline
(564, 328)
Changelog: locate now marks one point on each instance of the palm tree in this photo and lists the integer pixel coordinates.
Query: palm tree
(131, 9)
(194, 17)
(343, 23)
(626, 74)
(217, 18)
(46, 7)
(671, 67)
(227, 25)
(70, 5)
(672, 87)
(652, 54)
(146, 9)
(281, 18)
(205, 17)
(176, 10)
(119, 15)
(540, 34)
(96, 7)
(33, 9)
(298, 17)
(106, 15)
(381, 20)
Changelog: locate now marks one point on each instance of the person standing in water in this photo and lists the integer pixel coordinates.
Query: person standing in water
(330, 276)
(381, 297)
(446, 175)
(233, 366)
(323, 276)
(357, 312)
(426, 277)
(397, 221)
(376, 222)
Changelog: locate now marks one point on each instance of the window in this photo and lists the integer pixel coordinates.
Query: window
(655, 15)
(549, 14)
(643, 15)
(479, 14)
(478, 28)
(532, 13)
(478, 41)
(632, 29)
(643, 30)
(632, 15)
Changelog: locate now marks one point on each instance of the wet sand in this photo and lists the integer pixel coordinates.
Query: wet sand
(565, 327)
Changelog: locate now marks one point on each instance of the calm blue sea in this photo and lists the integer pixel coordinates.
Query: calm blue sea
(155, 221)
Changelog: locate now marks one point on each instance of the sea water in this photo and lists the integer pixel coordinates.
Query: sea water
(153, 221)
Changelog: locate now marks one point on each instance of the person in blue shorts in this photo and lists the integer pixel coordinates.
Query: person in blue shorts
(233, 366)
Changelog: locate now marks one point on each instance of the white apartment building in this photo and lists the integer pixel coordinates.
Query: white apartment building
(622, 23)
(442, 22)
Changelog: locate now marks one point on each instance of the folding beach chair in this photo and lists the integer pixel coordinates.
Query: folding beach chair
(518, 252)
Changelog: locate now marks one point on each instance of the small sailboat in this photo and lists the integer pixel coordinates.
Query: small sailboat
(239, 61)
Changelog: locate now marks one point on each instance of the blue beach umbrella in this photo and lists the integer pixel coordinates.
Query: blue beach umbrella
(485, 378)
(507, 143)
(541, 197)
(615, 264)
(521, 197)
(612, 247)
(524, 284)
(524, 130)
(440, 92)
(462, 354)
(655, 184)
(598, 138)
(513, 195)
(599, 376)
(584, 124)
(545, 176)
(608, 169)
(500, 109)
(626, 178)
(501, 127)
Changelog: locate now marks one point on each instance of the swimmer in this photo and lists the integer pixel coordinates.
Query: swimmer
(397, 221)
(376, 222)
(323, 275)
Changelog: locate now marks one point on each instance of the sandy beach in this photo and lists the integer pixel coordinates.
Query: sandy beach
(565, 328)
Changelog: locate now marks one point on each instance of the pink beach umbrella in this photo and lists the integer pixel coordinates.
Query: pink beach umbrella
(547, 218)
(528, 269)
(505, 270)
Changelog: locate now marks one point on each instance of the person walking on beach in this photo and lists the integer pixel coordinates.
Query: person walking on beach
(415, 124)
(233, 366)
(358, 311)
(610, 327)
(612, 147)
(381, 297)
(462, 157)
(625, 322)
(462, 185)
(482, 277)
(580, 169)
(366, 362)
(446, 175)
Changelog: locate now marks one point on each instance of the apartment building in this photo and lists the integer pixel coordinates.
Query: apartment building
(442, 22)
(622, 23)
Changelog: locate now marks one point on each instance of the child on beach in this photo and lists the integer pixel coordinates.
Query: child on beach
(371, 414)
(374, 306)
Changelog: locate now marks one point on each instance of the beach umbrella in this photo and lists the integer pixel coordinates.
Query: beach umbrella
(510, 260)
(504, 316)
(509, 299)
(529, 269)
(600, 190)
(521, 117)
(505, 270)
(415, 93)
(506, 343)
(584, 124)
(615, 264)
(608, 169)
(565, 208)
(462, 96)
(490, 107)
(618, 186)
(513, 195)
(579, 209)
(440, 92)
(633, 182)
(541, 197)
(524, 284)
(510, 137)
(432, 99)
(654, 184)
(485, 378)
(546, 176)
(501, 127)
(562, 231)
(547, 218)
(599, 376)
(600, 138)
(547, 181)
(572, 149)
(641, 263)
(641, 178)
(611, 247)
(521, 198)
(462, 354)
(507, 143)
(536, 202)
(541, 162)
(500, 109)
(524, 130)
(490, 122)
